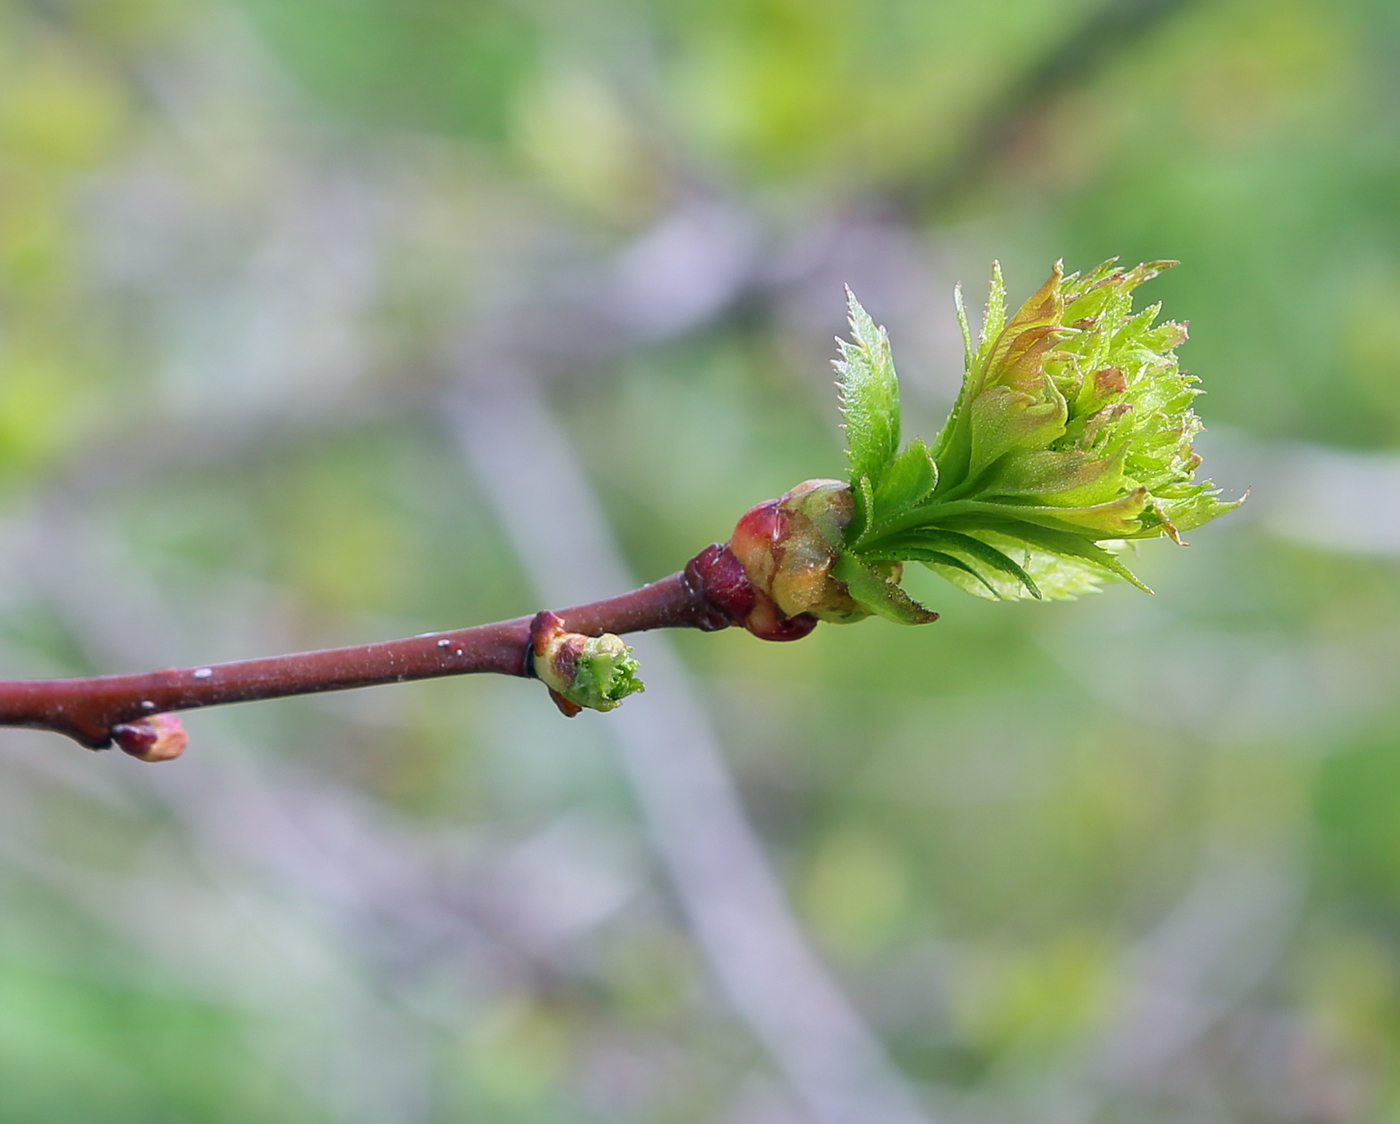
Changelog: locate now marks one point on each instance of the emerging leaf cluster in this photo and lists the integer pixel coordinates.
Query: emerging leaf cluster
(606, 674)
(1071, 434)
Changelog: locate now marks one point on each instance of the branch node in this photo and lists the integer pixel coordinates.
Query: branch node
(733, 599)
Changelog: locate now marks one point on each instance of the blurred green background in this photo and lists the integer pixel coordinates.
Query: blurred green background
(292, 294)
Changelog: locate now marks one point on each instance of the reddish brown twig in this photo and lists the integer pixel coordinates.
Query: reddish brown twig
(709, 594)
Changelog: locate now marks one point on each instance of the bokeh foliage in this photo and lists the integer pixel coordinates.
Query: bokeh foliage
(240, 243)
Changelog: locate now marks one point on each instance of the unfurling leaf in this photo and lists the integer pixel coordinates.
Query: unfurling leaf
(869, 395)
(879, 593)
(910, 478)
(1071, 434)
(582, 672)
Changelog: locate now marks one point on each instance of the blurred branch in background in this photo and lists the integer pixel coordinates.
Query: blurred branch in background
(276, 893)
(713, 858)
(1132, 859)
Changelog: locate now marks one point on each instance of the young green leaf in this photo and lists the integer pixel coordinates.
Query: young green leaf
(878, 594)
(1072, 430)
(946, 565)
(968, 351)
(607, 674)
(994, 317)
(869, 395)
(1070, 546)
(984, 558)
(1071, 434)
(911, 477)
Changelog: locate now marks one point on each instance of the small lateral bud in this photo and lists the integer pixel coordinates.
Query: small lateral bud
(592, 672)
(160, 737)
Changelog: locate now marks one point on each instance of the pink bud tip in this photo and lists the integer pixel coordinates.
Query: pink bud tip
(157, 738)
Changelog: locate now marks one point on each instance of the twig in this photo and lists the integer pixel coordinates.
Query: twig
(96, 710)
(735, 905)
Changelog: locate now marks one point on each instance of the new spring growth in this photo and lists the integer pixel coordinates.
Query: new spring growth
(160, 737)
(1072, 434)
(581, 672)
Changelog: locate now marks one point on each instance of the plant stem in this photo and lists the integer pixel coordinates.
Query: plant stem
(88, 709)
